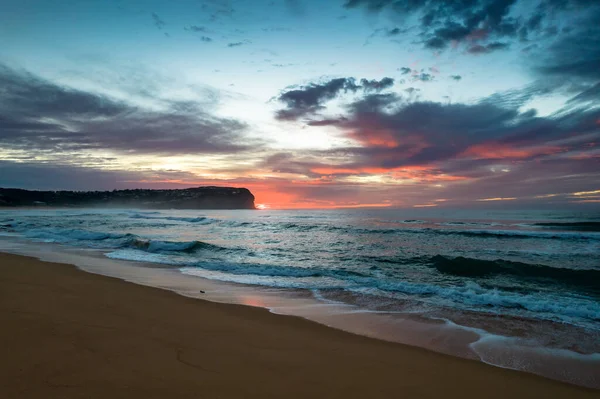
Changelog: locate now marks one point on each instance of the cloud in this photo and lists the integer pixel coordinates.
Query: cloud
(571, 61)
(65, 176)
(236, 44)
(39, 115)
(477, 24)
(589, 95)
(487, 48)
(206, 39)
(394, 32)
(444, 22)
(309, 99)
(392, 132)
(417, 75)
(158, 22)
(277, 29)
(196, 28)
(27, 95)
(423, 77)
(218, 10)
(576, 55)
(456, 77)
(375, 85)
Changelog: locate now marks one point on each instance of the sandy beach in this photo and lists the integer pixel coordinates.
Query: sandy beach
(71, 334)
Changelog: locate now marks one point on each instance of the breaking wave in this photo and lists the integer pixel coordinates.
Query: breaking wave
(113, 240)
(469, 296)
(579, 226)
(469, 267)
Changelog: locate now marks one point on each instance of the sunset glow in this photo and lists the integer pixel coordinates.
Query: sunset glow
(307, 104)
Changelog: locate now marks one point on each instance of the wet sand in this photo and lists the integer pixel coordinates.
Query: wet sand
(70, 334)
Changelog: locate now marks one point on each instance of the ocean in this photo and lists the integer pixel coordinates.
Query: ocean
(517, 289)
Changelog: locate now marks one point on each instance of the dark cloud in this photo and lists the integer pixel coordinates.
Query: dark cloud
(376, 85)
(479, 24)
(236, 44)
(487, 48)
(396, 132)
(443, 22)
(591, 94)
(574, 56)
(277, 29)
(393, 32)
(442, 36)
(206, 39)
(158, 22)
(572, 61)
(326, 122)
(309, 99)
(195, 28)
(456, 77)
(218, 10)
(29, 96)
(417, 75)
(423, 77)
(65, 176)
(38, 115)
(517, 98)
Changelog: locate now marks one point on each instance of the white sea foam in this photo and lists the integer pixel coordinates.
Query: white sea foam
(141, 256)
(59, 234)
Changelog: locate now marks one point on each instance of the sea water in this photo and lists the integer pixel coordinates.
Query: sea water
(524, 286)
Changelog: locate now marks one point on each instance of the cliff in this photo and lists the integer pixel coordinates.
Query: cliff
(189, 198)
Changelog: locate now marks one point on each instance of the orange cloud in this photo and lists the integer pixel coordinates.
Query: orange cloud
(497, 151)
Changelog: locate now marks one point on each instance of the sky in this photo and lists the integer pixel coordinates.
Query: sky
(307, 103)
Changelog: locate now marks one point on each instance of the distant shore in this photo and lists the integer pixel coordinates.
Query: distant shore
(68, 333)
(196, 198)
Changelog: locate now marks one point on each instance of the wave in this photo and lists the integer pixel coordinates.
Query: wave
(468, 296)
(114, 240)
(58, 234)
(157, 246)
(475, 233)
(517, 234)
(146, 253)
(579, 226)
(588, 279)
(300, 227)
(467, 224)
(476, 297)
(469, 267)
(199, 219)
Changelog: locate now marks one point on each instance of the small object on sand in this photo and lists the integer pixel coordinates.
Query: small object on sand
(202, 292)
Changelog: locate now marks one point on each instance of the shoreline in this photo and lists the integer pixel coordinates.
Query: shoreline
(436, 335)
(74, 313)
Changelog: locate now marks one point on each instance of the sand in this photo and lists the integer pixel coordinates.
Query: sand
(65, 333)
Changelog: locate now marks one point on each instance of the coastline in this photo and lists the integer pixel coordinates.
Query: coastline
(82, 334)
